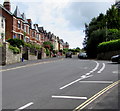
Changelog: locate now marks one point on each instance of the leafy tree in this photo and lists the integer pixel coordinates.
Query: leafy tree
(48, 45)
(101, 28)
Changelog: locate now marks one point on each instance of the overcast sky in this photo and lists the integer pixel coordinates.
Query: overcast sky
(64, 18)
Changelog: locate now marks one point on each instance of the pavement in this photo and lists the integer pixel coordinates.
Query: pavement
(110, 101)
(30, 62)
(107, 101)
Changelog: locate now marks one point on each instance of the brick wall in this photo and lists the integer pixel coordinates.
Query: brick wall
(8, 24)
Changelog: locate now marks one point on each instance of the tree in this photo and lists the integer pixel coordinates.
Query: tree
(48, 45)
(101, 28)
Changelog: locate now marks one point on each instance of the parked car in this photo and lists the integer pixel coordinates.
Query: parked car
(68, 54)
(82, 55)
(116, 58)
(54, 55)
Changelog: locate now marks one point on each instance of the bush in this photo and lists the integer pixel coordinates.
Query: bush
(1, 45)
(16, 42)
(47, 52)
(15, 50)
(112, 45)
(32, 46)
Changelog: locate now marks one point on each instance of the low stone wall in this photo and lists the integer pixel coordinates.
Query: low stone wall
(32, 57)
(11, 57)
(0, 55)
(7, 56)
(107, 55)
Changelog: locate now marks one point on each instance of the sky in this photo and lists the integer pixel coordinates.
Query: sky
(65, 18)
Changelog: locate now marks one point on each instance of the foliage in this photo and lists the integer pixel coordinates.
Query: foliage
(48, 45)
(65, 50)
(112, 45)
(15, 50)
(1, 45)
(16, 42)
(32, 46)
(101, 29)
(47, 51)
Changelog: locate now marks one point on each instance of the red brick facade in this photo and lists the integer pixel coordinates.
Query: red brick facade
(17, 26)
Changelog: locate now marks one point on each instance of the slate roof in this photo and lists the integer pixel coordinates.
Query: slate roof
(24, 18)
(17, 13)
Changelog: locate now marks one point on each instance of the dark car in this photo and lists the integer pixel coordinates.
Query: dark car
(68, 54)
(82, 55)
(116, 58)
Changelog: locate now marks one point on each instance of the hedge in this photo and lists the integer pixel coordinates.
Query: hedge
(15, 50)
(112, 45)
(33, 46)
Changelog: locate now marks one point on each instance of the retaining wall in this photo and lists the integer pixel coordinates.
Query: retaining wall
(107, 55)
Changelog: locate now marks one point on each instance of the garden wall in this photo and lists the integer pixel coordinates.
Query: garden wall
(107, 55)
(10, 56)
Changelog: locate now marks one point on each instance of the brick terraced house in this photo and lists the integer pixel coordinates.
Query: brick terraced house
(18, 26)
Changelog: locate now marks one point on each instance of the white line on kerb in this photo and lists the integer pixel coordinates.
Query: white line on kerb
(25, 106)
(103, 67)
(96, 81)
(69, 97)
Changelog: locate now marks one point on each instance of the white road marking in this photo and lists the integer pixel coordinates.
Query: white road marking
(69, 97)
(96, 82)
(25, 106)
(93, 69)
(115, 72)
(82, 77)
(103, 67)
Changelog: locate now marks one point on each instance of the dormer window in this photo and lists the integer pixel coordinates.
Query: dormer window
(19, 24)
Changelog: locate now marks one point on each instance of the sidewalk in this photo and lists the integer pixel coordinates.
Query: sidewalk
(27, 62)
(110, 101)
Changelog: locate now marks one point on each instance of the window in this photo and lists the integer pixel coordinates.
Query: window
(23, 26)
(19, 36)
(33, 34)
(14, 36)
(19, 24)
(2, 23)
(2, 36)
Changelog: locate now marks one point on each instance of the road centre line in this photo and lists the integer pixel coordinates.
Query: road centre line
(82, 77)
(68, 97)
(33, 64)
(90, 100)
(103, 67)
(96, 82)
(93, 69)
(25, 106)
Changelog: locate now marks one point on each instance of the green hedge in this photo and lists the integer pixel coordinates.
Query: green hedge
(112, 45)
(33, 46)
(15, 50)
(16, 42)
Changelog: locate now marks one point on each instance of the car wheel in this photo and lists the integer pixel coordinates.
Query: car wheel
(119, 61)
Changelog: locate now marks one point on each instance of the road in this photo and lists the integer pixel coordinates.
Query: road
(63, 83)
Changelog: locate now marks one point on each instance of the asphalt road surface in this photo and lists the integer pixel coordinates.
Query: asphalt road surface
(64, 83)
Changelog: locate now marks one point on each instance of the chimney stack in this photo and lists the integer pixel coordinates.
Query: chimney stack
(7, 5)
